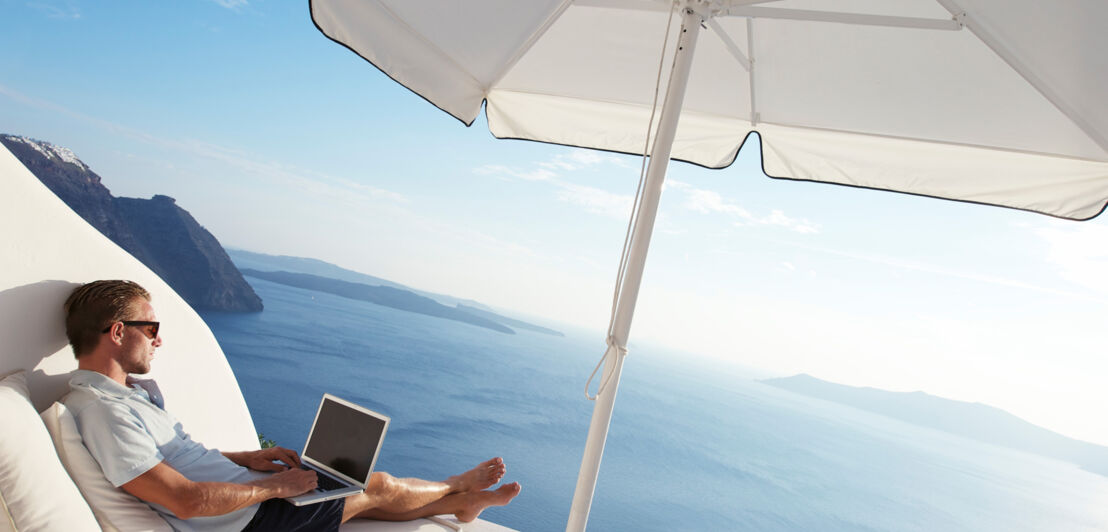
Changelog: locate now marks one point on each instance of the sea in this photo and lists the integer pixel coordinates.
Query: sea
(694, 445)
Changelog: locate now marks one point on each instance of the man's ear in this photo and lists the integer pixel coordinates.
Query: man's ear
(116, 333)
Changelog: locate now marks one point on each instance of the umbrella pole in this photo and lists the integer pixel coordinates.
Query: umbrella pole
(636, 259)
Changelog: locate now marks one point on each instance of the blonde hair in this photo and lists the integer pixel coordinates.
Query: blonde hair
(96, 305)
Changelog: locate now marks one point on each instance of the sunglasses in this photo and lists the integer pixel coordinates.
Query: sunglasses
(149, 328)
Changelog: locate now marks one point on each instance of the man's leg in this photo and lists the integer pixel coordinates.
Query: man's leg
(402, 495)
(465, 506)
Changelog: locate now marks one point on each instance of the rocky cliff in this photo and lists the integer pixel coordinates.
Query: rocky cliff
(157, 232)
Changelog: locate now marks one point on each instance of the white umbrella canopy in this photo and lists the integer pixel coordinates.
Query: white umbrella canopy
(984, 101)
(989, 101)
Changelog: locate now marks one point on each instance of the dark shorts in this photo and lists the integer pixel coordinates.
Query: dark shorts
(279, 514)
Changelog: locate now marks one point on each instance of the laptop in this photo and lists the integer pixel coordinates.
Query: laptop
(342, 449)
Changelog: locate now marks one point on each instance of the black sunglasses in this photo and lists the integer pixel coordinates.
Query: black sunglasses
(149, 328)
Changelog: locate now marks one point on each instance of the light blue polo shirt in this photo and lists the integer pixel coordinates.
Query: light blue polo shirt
(128, 431)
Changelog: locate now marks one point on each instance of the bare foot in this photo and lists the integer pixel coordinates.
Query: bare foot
(486, 474)
(477, 501)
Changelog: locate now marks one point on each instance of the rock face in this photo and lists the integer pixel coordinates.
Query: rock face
(156, 231)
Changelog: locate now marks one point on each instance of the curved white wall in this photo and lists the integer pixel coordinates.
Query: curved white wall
(46, 250)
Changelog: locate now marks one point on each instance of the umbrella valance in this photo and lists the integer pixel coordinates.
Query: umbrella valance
(989, 101)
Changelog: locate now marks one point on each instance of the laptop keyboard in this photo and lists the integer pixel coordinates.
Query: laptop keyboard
(326, 483)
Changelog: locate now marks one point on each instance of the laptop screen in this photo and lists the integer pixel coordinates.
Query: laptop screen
(345, 439)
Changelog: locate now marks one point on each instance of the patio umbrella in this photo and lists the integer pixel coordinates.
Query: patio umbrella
(996, 102)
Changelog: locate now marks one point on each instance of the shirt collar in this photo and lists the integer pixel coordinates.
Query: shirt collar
(101, 383)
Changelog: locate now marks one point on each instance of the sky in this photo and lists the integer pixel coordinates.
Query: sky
(279, 141)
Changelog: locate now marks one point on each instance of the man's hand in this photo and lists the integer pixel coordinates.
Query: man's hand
(266, 459)
(288, 483)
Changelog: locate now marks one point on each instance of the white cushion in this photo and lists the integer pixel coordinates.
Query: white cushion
(114, 508)
(34, 488)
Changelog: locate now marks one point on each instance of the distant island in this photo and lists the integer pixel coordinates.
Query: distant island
(287, 263)
(156, 231)
(975, 421)
(398, 298)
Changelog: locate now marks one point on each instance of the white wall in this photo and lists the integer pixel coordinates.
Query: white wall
(46, 250)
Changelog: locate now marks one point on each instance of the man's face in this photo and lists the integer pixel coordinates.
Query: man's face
(138, 349)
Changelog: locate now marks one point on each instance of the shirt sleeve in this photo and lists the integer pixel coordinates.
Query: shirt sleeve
(119, 442)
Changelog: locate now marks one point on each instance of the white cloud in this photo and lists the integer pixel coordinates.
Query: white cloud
(675, 183)
(42, 104)
(572, 161)
(948, 272)
(67, 11)
(706, 201)
(597, 201)
(778, 218)
(537, 174)
(231, 4)
(592, 199)
(305, 180)
(1078, 251)
(578, 159)
(483, 240)
(373, 191)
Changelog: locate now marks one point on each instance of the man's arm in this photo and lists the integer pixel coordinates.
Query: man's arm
(187, 499)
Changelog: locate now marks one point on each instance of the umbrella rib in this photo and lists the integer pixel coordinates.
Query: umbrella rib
(1025, 71)
(844, 18)
(635, 5)
(528, 44)
(746, 62)
(644, 105)
(754, 116)
(730, 44)
(660, 6)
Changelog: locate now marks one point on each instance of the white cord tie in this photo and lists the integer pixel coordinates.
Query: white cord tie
(603, 383)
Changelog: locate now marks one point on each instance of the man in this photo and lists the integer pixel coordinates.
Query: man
(144, 450)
